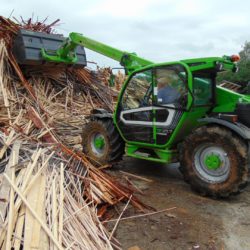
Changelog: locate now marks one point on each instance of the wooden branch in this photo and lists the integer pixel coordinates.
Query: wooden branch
(36, 234)
(136, 176)
(141, 215)
(12, 162)
(11, 211)
(119, 218)
(60, 227)
(19, 228)
(43, 225)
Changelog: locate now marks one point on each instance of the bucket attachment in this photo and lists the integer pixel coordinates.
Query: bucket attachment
(28, 46)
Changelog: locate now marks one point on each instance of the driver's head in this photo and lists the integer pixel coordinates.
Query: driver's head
(163, 82)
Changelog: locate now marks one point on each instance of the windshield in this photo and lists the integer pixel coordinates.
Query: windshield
(202, 90)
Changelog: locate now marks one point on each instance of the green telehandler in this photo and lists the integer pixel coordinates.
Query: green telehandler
(166, 112)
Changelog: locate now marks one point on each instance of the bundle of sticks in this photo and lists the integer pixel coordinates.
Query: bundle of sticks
(46, 207)
(42, 111)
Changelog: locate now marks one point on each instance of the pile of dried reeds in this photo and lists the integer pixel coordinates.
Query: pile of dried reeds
(42, 110)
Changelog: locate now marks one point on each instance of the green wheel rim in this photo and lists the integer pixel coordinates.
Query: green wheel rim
(98, 144)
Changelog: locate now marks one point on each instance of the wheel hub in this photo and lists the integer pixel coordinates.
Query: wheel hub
(211, 163)
(98, 144)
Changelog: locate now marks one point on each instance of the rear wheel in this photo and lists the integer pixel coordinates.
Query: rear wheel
(214, 161)
(101, 141)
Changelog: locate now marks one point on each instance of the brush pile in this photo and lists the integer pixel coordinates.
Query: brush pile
(50, 194)
(46, 208)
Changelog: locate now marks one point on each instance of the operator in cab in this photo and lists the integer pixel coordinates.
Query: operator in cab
(166, 93)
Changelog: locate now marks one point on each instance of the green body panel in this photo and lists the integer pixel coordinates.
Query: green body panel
(227, 100)
(187, 123)
(164, 156)
(197, 107)
(209, 62)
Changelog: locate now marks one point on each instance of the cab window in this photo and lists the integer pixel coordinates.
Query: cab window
(171, 82)
(139, 91)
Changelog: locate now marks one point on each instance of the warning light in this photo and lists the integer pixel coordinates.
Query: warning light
(235, 58)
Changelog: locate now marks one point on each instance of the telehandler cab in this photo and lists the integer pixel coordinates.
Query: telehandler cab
(166, 112)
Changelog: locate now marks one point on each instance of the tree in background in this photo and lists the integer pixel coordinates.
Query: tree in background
(242, 77)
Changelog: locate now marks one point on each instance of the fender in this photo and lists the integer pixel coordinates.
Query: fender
(238, 128)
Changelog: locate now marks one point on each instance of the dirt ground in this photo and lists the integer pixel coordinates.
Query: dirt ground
(196, 223)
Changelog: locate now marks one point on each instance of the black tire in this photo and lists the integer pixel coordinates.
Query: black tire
(236, 161)
(113, 149)
(242, 110)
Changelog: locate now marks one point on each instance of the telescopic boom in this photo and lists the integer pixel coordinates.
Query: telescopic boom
(66, 53)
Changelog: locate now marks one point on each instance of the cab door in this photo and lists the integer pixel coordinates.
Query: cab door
(170, 99)
(134, 115)
(152, 104)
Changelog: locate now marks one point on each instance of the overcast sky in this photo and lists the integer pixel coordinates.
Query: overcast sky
(159, 30)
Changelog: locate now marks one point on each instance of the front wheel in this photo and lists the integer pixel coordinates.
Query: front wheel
(214, 161)
(101, 142)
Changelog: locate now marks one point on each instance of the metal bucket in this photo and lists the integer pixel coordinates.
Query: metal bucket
(28, 44)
